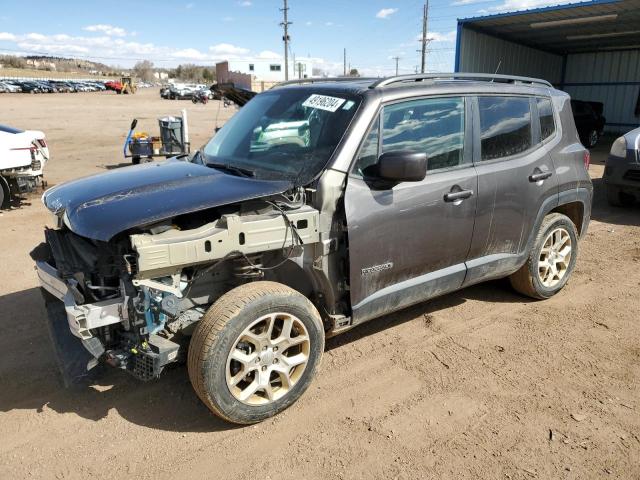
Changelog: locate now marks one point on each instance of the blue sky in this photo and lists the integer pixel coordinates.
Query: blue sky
(203, 32)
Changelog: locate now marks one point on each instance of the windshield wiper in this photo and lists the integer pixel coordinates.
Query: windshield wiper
(243, 172)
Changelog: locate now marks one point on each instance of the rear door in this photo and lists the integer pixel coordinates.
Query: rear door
(515, 177)
(408, 242)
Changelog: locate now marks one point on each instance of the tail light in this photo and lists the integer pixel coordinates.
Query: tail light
(587, 159)
(42, 142)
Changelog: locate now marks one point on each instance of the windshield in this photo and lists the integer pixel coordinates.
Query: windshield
(283, 134)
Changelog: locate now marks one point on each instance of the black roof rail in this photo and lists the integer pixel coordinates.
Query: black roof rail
(302, 81)
(487, 77)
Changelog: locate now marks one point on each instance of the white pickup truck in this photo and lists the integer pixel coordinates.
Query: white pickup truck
(23, 155)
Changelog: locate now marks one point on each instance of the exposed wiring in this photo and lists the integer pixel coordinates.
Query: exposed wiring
(296, 240)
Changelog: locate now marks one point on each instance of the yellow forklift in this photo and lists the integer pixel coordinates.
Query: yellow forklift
(128, 86)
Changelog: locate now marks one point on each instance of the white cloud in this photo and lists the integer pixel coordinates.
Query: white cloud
(328, 24)
(189, 6)
(107, 30)
(228, 49)
(227, 19)
(245, 3)
(469, 2)
(268, 55)
(35, 47)
(386, 12)
(121, 51)
(38, 37)
(308, 23)
(513, 5)
(189, 54)
(441, 37)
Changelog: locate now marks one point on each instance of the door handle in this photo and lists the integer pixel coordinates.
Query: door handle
(459, 195)
(536, 177)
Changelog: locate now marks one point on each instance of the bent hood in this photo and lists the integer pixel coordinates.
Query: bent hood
(103, 205)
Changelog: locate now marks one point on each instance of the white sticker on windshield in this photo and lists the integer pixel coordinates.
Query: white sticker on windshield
(323, 102)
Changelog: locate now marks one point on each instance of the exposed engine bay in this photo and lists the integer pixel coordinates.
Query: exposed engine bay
(134, 300)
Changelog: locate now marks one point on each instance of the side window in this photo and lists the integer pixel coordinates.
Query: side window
(434, 126)
(505, 126)
(369, 153)
(545, 113)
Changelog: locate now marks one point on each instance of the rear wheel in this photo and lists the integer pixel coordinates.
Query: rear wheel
(255, 351)
(551, 260)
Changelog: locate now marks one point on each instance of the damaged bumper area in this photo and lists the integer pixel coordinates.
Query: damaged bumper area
(91, 315)
(132, 302)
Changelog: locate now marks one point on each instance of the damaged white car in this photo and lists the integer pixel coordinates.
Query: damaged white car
(23, 155)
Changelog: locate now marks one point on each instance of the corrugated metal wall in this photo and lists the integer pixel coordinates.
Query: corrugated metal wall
(480, 53)
(612, 78)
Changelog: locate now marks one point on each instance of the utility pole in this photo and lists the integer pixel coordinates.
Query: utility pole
(396, 59)
(425, 15)
(344, 68)
(285, 38)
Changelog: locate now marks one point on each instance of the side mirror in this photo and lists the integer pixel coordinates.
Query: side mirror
(402, 166)
(134, 123)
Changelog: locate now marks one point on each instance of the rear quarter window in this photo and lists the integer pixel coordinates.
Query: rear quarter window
(545, 114)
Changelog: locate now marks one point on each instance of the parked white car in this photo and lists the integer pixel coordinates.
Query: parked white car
(9, 87)
(23, 155)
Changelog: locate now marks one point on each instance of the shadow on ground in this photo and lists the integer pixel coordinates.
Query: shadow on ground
(605, 213)
(30, 379)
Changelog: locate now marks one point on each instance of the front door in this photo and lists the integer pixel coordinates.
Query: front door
(408, 242)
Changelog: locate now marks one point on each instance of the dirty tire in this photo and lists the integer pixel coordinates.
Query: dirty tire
(219, 329)
(5, 194)
(617, 198)
(527, 280)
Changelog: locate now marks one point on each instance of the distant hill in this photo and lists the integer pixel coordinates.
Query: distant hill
(58, 64)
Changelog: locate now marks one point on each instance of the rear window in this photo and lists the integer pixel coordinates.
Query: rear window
(545, 114)
(505, 126)
(6, 129)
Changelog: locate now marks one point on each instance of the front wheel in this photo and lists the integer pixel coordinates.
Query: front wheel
(255, 351)
(193, 100)
(551, 260)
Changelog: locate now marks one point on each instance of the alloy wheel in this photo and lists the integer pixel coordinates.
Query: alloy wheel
(268, 359)
(555, 257)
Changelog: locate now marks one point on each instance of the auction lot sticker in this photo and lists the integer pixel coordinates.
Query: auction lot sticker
(323, 102)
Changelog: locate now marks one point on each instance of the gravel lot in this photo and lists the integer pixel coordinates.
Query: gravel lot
(482, 383)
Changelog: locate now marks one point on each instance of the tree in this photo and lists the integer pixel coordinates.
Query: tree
(144, 70)
(354, 72)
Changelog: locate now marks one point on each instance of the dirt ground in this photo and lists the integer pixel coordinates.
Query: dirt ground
(482, 383)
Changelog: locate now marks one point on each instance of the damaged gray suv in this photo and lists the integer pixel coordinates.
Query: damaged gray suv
(320, 205)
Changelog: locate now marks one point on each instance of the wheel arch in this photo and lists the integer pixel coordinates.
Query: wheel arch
(575, 212)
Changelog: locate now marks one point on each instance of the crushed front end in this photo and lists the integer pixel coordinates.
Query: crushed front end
(133, 301)
(95, 313)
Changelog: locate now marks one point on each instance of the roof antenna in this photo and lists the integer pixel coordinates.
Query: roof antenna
(496, 72)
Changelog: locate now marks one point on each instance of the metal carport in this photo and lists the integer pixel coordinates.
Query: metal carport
(589, 49)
